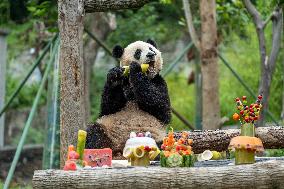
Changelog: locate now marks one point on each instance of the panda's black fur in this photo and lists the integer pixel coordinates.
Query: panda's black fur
(150, 94)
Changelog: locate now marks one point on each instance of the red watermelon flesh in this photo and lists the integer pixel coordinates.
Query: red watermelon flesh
(98, 157)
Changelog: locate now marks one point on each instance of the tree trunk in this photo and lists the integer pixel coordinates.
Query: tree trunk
(103, 5)
(282, 113)
(268, 174)
(209, 66)
(101, 24)
(267, 62)
(271, 137)
(3, 53)
(268, 67)
(72, 106)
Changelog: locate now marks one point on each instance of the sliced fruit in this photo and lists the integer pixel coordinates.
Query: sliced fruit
(153, 154)
(126, 70)
(144, 67)
(128, 152)
(138, 152)
(174, 160)
(207, 155)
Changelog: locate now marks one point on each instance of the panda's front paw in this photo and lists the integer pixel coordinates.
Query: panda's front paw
(135, 68)
(115, 76)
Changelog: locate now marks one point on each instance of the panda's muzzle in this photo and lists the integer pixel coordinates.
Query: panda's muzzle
(150, 55)
(151, 58)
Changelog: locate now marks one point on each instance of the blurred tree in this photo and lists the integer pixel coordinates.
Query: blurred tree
(155, 20)
(100, 24)
(209, 65)
(207, 46)
(267, 58)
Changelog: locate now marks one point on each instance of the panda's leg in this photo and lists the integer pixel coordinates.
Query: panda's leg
(97, 138)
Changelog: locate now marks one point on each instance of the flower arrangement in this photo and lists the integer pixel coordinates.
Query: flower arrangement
(247, 144)
(176, 153)
(247, 114)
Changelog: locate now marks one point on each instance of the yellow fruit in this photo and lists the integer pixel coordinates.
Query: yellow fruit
(138, 152)
(126, 70)
(154, 149)
(144, 67)
(153, 154)
(128, 152)
(216, 155)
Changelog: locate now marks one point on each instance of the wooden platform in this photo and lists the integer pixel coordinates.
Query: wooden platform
(264, 174)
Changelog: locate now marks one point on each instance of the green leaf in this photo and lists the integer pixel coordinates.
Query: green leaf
(31, 9)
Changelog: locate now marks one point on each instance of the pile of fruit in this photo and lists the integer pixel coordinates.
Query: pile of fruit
(75, 158)
(247, 114)
(176, 153)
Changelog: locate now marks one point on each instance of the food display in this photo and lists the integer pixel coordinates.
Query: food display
(176, 153)
(140, 149)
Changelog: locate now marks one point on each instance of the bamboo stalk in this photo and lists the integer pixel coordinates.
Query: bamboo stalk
(29, 121)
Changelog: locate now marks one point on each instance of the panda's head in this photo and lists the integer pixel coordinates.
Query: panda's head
(142, 53)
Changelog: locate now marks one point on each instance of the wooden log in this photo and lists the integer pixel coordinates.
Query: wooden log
(269, 174)
(72, 106)
(106, 5)
(272, 138)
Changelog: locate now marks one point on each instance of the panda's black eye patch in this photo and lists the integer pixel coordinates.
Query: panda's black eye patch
(137, 54)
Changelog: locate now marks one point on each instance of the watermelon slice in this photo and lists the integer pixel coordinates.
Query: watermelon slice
(98, 157)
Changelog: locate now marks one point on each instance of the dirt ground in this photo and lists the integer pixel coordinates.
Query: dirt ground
(30, 160)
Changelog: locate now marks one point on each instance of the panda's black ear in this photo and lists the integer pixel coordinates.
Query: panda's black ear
(117, 51)
(152, 42)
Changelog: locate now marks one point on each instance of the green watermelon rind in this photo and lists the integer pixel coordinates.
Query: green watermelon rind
(187, 161)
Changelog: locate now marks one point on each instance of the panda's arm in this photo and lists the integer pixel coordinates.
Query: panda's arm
(113, 99)
(152, 95)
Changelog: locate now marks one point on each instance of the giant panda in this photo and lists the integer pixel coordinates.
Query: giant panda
(138, 102)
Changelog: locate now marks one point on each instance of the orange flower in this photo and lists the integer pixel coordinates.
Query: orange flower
(165, 141)
(184, 134)
(181, 141)
(167, 153)
(187, 152)
(190, 141)
(236, 117)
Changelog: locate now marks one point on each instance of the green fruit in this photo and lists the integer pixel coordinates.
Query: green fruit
(174, 160)
(188, 160)
(163, 160)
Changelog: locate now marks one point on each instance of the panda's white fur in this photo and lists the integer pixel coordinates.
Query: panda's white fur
(128, 57)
